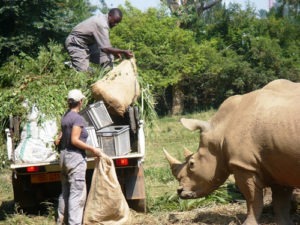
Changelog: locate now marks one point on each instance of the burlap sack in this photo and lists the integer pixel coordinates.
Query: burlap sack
(106, 204)
(119, 88)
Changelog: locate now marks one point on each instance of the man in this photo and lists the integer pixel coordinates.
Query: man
(89, 41)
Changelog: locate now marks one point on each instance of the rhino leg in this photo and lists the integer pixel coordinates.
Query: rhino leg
(281, 200)
(252, 189)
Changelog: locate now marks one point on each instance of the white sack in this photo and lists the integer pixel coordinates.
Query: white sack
(37, 140)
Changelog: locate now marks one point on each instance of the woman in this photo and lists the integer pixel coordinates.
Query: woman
(73, 161)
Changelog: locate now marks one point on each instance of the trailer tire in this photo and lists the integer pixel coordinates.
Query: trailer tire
(24, 201)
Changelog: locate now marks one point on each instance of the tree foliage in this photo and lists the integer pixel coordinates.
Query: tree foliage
(165, 53)
(42, 81)
(208, 56)
(254, 50)
(225, 51)
(26, 24)
(204, 57)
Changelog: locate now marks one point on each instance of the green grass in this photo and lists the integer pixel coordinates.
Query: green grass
(10, 214)
(168, 133)
(161, 186)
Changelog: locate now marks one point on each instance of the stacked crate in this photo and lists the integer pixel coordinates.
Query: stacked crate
(113, 140)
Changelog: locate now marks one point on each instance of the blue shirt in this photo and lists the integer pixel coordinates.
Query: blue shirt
(69, 120)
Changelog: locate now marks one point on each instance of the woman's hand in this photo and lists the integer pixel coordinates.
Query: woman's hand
(98, 152)
(57, 139)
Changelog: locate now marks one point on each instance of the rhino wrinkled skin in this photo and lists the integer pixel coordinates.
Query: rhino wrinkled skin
(255, 137)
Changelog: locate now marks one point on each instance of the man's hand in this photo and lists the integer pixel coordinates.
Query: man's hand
(118, 52)
(128, 53)
(119, 55)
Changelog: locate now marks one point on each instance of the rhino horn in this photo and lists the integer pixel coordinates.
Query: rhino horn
(187, 152)
(194, 124)
(172, 161)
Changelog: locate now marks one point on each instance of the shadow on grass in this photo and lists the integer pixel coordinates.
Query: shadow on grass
(216, 218)
(6, 208)
(267, 218)
(9, 209)
(219, 217)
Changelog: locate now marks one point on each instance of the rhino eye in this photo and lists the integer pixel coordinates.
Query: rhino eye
(191, 164)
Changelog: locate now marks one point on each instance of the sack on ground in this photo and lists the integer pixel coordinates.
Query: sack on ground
(106, 204)
(119, 88)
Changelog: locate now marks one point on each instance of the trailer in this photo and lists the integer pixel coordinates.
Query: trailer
(36, 184)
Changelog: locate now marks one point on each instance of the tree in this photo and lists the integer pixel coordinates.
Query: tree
(288, 8)
(26, 24)
(165, 52)
(190, 61)
(230, 51)
(199, 5)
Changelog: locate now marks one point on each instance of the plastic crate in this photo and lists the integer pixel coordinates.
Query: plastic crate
(92, 139)
(114, 140)
(84, 114)
(97, 115)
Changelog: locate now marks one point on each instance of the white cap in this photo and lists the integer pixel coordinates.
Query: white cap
(76, 95)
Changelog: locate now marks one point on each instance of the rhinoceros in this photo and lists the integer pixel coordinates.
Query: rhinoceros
(255, 137)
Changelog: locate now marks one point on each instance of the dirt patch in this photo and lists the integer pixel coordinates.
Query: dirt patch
(231, 214)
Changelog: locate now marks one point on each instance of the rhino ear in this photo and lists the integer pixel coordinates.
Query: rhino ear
(193, 124)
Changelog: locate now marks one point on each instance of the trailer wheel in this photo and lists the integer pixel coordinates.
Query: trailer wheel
(32, 198)
(24, 200)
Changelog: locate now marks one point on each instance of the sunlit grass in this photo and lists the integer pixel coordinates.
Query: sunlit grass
(168, 133)
(11, 214)
(161, 186)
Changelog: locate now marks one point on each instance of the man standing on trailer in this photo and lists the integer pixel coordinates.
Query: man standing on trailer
(89, 41)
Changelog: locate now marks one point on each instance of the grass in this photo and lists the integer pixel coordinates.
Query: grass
(168, 133)
(160, 184)
(10, 214)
